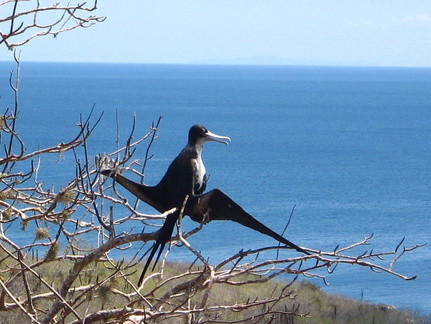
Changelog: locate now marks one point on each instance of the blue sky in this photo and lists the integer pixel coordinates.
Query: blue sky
(342, 32)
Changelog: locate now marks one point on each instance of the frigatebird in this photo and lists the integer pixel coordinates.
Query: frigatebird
(186, 177)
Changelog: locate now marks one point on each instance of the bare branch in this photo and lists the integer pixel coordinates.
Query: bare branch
(70, 272)
(26, 21)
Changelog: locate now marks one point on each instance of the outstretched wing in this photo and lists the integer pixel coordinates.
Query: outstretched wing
(216, 205)
(151, 195)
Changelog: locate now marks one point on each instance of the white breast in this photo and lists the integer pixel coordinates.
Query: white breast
(199, 173)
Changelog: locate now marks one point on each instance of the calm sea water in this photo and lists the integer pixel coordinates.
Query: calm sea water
(349, 147)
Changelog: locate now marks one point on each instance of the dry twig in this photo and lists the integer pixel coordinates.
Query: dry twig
(89, 209)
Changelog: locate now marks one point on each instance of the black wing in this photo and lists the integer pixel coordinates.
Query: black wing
(216, 205)
(153, 196)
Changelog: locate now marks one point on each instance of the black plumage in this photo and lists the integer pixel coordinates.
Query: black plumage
(186, 176)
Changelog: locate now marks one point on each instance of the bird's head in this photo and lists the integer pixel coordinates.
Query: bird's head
(199, 134)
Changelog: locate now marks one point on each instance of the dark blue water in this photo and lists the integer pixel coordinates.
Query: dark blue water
(349, 147)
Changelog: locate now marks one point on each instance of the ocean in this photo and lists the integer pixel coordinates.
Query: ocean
(348, 148)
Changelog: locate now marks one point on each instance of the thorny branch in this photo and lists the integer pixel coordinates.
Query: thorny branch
(52, 278)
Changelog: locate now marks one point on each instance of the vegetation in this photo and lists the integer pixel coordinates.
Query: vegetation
(62, 270)
(305, 303)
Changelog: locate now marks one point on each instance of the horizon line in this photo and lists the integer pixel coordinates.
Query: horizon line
(219, 64)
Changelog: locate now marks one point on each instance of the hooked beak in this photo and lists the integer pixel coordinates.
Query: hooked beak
(217, 138)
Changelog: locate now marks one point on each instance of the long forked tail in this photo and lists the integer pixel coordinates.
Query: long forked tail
(164, 236)
(147, 264)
